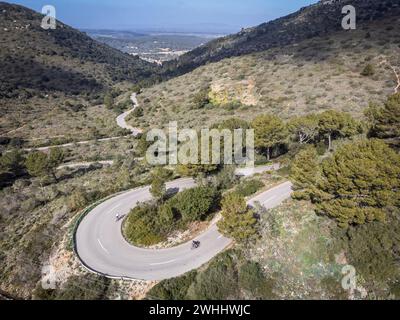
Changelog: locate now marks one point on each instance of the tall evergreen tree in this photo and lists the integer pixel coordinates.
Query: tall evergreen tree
(55, 159)
(304, 173)
(270, 131)
(238, 221)
(359, 182)
(109, 101)
(304, 129)
(334, 124)
(386, 121)
(12, 161)
(158, 188)
(37, 164)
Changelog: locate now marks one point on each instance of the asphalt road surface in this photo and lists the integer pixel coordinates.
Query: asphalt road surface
(250, 171)
(102, 248)
(121, 118)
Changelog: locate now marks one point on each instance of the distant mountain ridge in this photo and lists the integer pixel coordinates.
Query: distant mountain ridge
(316, 20)
(33, 59)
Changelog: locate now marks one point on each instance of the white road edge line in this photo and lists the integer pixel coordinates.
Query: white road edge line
(161, 263)
(102, 246)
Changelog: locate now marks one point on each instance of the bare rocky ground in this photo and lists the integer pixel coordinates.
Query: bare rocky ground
(64, 264)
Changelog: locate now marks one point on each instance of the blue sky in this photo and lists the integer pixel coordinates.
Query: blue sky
(168, 15)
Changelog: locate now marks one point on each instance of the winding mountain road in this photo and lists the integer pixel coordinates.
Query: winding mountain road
(121, 122)
(102, 248)
(121, 119)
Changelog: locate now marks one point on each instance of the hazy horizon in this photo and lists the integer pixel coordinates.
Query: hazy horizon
(206, 16)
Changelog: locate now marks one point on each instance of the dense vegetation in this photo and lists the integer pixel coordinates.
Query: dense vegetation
(15, 164)
(151, 223)
(358, 186)
(249, 187)
(385, 121)
(228, 276)
(360, 181)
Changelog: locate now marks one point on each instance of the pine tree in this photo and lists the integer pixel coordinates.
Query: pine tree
(304, 172)
(158, 188)
(109, 101)
(359, 182)
(200, 169)
(55, 159)
(304, 129)
(386, 121)
(12, 161)
(269, 131)
(238, 221)
(37, 164)
(334, 124)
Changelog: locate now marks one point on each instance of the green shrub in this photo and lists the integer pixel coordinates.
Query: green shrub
(261, 160)
(138, 112)
(172, 289)
(368, 71)
(228, 276)
(249, 187)
(201, 98)
(218, 282)
(373, 249)
(252, 279)
(321, 148)
(109, 101)
(142, 227)
(194, 204)
(150, 223)
(332, 286)
(233, 105)
(303, 173)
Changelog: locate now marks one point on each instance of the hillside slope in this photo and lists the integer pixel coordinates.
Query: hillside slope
(33, 59)
(52, 82)
(321, 19)
(313, 75)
